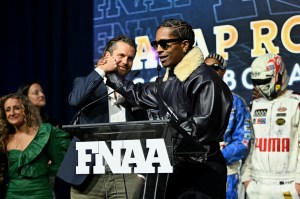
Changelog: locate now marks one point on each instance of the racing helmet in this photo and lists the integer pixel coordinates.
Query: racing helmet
(269, 75)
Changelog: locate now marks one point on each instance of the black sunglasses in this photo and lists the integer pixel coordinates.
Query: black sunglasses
(216, 66)
(164, 43)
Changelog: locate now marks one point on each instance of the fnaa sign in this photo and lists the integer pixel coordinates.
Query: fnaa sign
(122, 154)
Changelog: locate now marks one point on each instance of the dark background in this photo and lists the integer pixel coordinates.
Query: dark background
(50, 41)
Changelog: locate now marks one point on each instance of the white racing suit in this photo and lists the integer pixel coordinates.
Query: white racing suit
(273, 164)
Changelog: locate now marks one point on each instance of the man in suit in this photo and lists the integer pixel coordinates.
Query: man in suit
(119, 53)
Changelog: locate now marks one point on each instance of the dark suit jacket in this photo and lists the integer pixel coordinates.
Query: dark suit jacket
(86, 90)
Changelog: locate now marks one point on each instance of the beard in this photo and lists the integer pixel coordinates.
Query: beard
(123, 73)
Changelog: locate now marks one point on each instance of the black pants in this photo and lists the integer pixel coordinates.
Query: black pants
(199, 180)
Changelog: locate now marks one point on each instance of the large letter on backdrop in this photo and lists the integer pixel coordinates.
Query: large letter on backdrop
(286, 34)
(259, 38)
(221, 43)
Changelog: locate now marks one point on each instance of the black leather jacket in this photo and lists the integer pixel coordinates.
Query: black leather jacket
(198, 96)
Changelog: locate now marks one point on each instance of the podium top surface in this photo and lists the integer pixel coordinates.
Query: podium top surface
(147, 129)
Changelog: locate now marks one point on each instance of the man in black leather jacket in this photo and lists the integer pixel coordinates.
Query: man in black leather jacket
(197, 100)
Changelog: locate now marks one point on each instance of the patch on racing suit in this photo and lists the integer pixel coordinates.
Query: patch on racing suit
(245, 142)
(280, 114)
(272, 144)
(280, 121)
(259, 121)
(260, 112)
(286, 182)
(281, 109)
(287, 195)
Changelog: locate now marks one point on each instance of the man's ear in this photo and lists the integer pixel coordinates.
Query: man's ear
(186, 44)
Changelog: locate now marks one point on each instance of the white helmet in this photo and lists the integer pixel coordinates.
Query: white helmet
(269, 75)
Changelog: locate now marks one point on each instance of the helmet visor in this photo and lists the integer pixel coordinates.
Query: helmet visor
(259, 82)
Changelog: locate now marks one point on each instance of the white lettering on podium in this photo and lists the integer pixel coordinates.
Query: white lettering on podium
(134, 155)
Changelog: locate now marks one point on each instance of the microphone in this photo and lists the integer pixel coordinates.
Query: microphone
(172, 113)
(158, 68)
(76, 117)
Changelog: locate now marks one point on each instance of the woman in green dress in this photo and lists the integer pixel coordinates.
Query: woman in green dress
(30, 145)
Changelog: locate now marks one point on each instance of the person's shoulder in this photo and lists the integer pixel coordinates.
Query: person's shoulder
(79, 78)
(46, 125)
(45, 128)
(50, 130)
(295, 94)
(92, 74)
(260, 99)
(238, 99)
(204, 72)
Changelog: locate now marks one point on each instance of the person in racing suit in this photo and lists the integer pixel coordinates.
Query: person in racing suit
(198, 103)
(238, 133)
(272, 168)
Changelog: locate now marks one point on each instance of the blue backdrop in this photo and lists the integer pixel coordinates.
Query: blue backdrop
(239, 30)
(54, 41)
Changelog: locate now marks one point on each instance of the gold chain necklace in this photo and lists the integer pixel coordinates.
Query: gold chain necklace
(17, 144)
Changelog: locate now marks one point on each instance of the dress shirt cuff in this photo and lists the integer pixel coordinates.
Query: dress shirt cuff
(100, 72)
(297, 178)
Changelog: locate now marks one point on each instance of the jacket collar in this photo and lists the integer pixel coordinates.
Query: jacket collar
(192, 60)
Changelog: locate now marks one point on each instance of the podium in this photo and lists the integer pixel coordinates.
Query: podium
(148, 129)
(155, 183)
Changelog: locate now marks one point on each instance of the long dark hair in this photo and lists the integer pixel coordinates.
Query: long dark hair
(24, 89)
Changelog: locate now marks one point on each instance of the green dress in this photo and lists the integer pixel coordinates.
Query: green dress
(29, 170)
